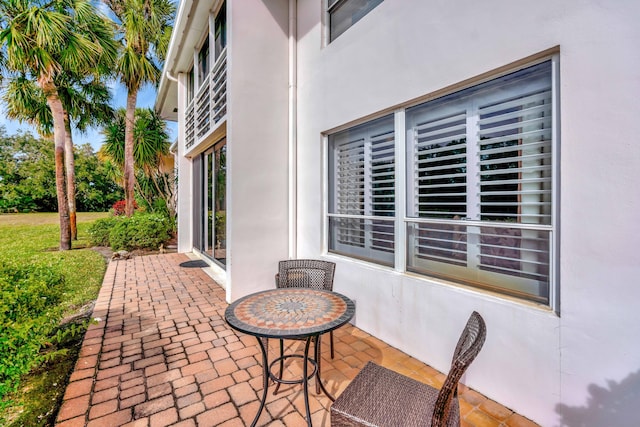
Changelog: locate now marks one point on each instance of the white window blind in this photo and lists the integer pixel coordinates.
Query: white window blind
(480, 185)
(440, 169)
(515, 158)
(350, 178)
(362, 194)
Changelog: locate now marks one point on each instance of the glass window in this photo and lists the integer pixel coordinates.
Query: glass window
(344, 13)
(479, 171)
(220, 203)
(190, 85)
(203, 62)
(362, 193)
(479, 168)
(220, 30)
(214, 214)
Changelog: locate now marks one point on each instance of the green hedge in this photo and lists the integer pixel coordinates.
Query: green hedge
(29, 316)
(141, 231)
(100, 229)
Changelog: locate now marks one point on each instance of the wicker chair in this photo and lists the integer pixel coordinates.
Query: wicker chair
(378, 396)
(305, 273)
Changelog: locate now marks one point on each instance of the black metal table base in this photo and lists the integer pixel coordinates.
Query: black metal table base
(306, 376)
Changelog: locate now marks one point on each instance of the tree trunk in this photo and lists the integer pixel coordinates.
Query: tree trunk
(53, 101)
(71, 177)
(129, 176)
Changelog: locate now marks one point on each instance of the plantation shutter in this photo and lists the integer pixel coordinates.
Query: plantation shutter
(362, 190)
(480, 184)
(383, 179)
(350, 179)
(382, 201)
(350, 191)
(515, 158)
(515, 172)
(440, 158)
(439, 141)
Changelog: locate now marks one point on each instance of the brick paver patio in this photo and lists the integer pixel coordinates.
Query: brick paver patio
(161, 354)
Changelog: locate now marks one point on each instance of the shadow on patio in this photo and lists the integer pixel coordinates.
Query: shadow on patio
(161, 354)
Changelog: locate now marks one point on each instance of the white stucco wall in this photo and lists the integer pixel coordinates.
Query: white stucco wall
(185, 175)
(257, 151)
(533, 359)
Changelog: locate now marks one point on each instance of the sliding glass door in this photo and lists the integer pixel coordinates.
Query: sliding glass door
(214, 176)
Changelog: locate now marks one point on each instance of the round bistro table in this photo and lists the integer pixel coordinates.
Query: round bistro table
(290, 313)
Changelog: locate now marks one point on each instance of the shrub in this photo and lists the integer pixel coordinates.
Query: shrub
(100, 229)
(29, 314)
(141, 231)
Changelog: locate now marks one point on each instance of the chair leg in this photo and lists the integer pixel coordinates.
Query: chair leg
(275, 391)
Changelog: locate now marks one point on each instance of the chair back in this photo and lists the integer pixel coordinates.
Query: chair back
(305, 273)
(468, 347)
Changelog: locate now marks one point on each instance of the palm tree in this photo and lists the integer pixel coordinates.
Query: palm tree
(42, 39)
(154, 163)
(145, 29)
(85, 102)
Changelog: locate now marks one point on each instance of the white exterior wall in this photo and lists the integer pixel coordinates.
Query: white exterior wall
(257, 144)
(185, 175)
(256, 130)
(533, 361)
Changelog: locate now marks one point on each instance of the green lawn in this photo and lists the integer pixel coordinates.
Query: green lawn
(32, 239)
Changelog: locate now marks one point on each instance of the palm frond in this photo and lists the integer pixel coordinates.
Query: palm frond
(48, 28)
(25, 101)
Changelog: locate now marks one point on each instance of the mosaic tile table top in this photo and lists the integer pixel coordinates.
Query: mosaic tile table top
(290, 312)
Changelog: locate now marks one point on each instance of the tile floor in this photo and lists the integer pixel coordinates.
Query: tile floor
(161, 354)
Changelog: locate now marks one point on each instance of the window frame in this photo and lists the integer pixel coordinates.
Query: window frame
(403, 220)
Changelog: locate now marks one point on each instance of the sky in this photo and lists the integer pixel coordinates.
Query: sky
(146, 98)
